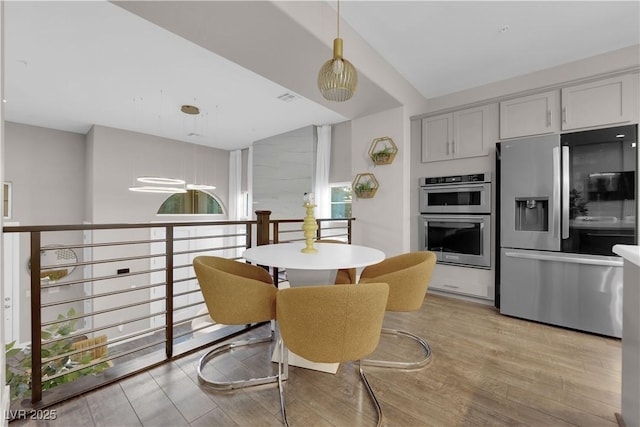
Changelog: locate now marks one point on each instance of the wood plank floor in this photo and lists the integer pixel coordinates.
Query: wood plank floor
(487, 369)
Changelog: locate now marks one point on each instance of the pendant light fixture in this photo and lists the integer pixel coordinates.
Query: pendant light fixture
(337, 79)
(156, 189)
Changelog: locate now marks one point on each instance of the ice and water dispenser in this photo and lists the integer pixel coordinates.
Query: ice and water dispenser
(532, 214)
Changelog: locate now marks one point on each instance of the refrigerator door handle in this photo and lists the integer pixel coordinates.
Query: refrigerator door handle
(555, 219)
(571, 260)
(565, 192)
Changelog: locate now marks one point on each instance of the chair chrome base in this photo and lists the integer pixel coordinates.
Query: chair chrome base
(283, 371)
(402, 365)
(232, 385)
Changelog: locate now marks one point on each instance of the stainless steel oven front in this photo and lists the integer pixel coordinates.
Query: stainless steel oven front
(456, 194)
(458, 239)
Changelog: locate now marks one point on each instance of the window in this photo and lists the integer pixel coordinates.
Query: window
(341, 200)
(193, 202)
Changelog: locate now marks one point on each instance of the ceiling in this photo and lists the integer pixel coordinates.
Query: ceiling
(131, 65)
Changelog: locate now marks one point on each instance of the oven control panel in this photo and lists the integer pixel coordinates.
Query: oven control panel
(456, 179)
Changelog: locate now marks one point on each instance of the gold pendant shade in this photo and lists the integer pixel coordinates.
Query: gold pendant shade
(337, 79)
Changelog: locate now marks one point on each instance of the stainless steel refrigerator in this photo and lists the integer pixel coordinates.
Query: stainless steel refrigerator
(564, 201)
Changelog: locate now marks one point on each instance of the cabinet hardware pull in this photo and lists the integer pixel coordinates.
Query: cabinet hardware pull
(564, 114)
(548, 118)
(453, 147)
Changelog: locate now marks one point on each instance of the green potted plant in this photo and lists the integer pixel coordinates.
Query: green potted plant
(18, 360)
(382, 157)
(382, 151)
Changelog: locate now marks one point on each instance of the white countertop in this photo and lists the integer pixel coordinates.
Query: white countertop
(329, 256)
(629, 252)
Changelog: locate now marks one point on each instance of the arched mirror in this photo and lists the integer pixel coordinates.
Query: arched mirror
(56, 262)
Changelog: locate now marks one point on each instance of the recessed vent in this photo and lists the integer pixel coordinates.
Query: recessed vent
(287, 97)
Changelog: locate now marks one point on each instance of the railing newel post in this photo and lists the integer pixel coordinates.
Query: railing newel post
(319, 230)
(262, 235)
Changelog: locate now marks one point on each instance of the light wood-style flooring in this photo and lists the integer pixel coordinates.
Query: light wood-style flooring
(487, 369)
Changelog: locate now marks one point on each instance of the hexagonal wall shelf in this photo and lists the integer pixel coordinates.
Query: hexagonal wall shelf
(383, 150)
(365, 185)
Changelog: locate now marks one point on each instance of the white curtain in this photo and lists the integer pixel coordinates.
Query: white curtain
(235, 185)
(323, 161)
(249, 208)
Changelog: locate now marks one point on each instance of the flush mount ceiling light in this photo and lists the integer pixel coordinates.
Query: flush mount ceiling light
(160, 180)
(337, 79)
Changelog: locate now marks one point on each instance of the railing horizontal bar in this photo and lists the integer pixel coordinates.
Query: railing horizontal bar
(108, 260)
(335, 219)
(216, 248)
(186, 279)
(290, 231)
(291, 241)
(99, 361)
(108, 343)
(79, 227)
(111, 325)
(333, 228)
(211, 236)
(103, 294)
(190, 319)
(72, 370)
(181, 294)
(73, 352)
(182, 307)
(99, 278)
(191, 332)
(95, 313)
(285, 221)
(108, 244)
(128, 337)
(220, 327)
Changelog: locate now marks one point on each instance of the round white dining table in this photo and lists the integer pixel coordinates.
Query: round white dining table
(313, 268)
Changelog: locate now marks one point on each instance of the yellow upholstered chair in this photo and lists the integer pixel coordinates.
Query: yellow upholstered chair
(331, 324)
(408, 276)
(235, 293)
(344, 276)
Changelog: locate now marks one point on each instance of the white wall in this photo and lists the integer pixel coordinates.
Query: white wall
(379, 219)
(340, 162)
(46, 169)
(118, 157)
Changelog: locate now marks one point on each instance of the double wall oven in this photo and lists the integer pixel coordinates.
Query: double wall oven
(455, 219)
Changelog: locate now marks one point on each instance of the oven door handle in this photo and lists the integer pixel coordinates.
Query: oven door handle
(457, 187)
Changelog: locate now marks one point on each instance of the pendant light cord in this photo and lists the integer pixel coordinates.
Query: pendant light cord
(338, 19)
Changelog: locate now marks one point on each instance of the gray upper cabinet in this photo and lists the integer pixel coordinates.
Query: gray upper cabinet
(437, 134)
(603, 102)
(530, 115)
(461, 134)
